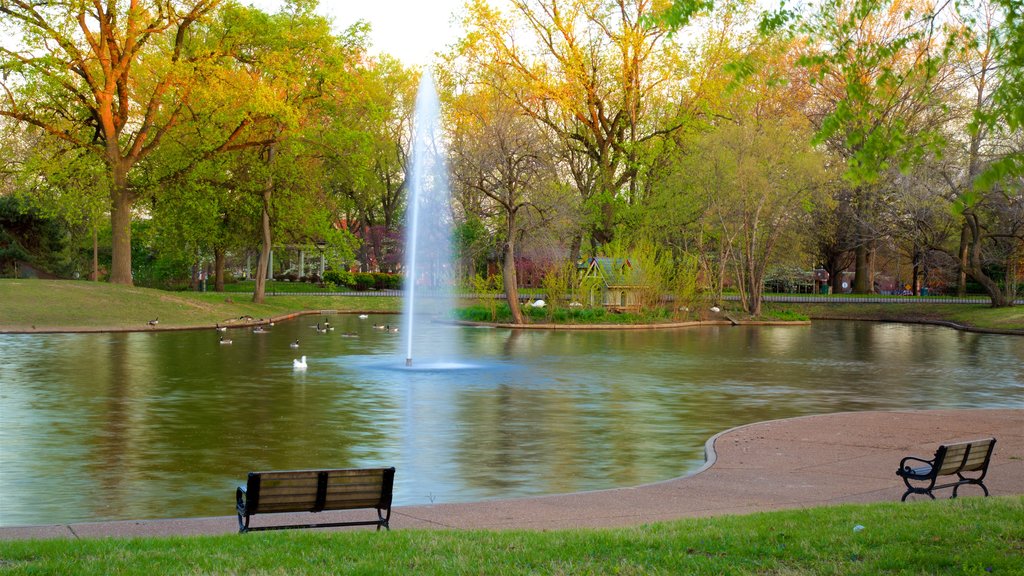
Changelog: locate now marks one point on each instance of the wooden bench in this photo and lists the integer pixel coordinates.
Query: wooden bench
(949, 459)
(316, 491)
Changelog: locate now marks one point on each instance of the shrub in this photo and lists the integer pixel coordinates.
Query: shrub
(339, 277)
(363, 281)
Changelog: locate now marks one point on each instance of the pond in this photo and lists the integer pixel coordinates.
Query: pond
(147, 425)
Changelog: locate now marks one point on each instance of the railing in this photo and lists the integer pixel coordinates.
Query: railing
(792, 298)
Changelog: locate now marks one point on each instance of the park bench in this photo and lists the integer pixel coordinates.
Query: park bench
(316, 491)
(950, 459)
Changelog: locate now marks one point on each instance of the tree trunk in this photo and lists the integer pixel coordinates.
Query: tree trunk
(121, 231)
(999, 299)
(95, 254)
(862, 275)
(218, 265)
(511, 282)
(965, 242)
(264, 260)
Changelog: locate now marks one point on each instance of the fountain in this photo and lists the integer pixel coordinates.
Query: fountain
(428, 254)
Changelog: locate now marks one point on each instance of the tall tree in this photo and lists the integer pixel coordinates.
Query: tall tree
(589, 71)
(503, 156)
(107, 78)
(875, 65)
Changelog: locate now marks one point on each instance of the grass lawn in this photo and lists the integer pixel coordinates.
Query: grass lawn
(63, 304)
(963, 536)
(973, 315)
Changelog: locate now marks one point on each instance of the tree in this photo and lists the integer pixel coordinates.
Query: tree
(366, 151)
(502, 155)
(108, 79)
(879, 72)
(985, 176)
(269, 107)
(590, 72)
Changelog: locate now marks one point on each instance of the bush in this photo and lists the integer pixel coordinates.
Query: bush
(482, 313)
(363, 281)
(339, 278)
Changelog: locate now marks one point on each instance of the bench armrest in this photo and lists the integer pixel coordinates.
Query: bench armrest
(905, 469)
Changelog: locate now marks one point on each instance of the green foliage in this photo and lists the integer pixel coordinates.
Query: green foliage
(487, 287)
(1007, 109)
(783, 315)
(364, 281)
(26, 235)
(883, 69)
(340, 277)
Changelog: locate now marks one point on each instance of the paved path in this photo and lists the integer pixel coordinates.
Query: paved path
(794, 463)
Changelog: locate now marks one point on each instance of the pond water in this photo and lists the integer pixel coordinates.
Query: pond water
(148, 425)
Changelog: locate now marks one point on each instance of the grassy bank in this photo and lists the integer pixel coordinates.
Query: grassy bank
(27, 305)
(969, 315)
(964, 536)
(65, 304)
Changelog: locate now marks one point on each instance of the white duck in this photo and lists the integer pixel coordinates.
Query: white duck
(363, 316)
(299, 364)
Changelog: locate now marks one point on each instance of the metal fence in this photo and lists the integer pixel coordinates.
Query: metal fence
(792, 298)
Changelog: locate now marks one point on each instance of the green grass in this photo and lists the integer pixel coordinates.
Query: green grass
(963, 536)
(972, 315)
(502, 314)
(62, 304)
(279, 286)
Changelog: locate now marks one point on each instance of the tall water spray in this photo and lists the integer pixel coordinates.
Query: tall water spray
(429, 271)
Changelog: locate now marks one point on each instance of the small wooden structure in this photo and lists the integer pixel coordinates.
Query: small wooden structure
(949, 459)
(612, 283)
(316, 491)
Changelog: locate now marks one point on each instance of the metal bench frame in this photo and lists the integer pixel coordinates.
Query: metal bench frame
(930, 470)
(247, 500)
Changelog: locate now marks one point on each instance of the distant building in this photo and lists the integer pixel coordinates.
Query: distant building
(611, 282)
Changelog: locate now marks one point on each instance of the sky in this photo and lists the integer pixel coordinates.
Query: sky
(410, 30)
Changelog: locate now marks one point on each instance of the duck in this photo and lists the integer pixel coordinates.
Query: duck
(259, 330)
(299, 364)
(363, 316)
(716, 309)
(154, 321)
(392, 329)
(224, 340)
(221, 328)
(294, 344)
(320, 330)
(379, 327)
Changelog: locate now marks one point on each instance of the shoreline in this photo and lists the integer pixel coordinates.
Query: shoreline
(234, 323)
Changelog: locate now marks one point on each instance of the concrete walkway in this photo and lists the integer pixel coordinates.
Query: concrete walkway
(794, 463)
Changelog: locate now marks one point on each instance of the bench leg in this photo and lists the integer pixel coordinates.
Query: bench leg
(383, 520)
(957, 487)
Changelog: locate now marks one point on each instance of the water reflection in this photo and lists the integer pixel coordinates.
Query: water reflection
(145, 425)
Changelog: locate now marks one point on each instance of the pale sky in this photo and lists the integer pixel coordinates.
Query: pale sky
(410, 30)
